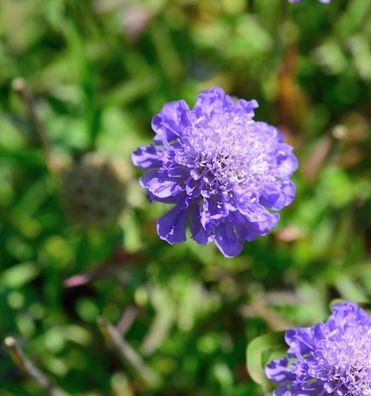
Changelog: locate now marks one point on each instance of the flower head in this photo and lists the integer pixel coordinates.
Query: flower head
(222, 171)
(94, 190)
(332, 358)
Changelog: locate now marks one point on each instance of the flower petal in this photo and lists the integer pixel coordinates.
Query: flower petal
(146, 157)
(212, 101)
(245, 107)
(278, 195)
(199, 234)
(160, 186)
(226, 242)
(248, 231)
(172, 226)
(277, 370)
(300, 340)
(287, 163)
(252, 211)
(170, 122)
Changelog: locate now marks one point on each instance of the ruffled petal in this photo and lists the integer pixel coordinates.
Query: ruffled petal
(169, 199)
(252, 211)
(277, 370)
(249, 231)
(226, 241)
(282, 391)
(172, 226)
(287, 163)
(245, 107)
(212, 101)
(278, 195)
(146, 157)
(268, 133)
(160, 186)
(300, 341)
(270, 195)
(215, 207)
(170, 122)
(199, 234)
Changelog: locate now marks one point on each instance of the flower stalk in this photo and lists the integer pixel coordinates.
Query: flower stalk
(19, 86)
(129, 357)
(24, 364)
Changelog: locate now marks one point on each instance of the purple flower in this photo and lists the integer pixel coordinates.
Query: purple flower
(223, 172)
(332, 358)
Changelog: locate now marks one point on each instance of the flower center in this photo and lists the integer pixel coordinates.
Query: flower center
(345, 358)
(227, 154)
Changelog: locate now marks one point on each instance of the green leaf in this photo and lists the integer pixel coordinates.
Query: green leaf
(18, 275)
(260, 351)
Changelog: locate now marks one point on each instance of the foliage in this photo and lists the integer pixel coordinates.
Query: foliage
(98, 71)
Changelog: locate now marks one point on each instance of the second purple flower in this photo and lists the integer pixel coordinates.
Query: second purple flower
(223, 172)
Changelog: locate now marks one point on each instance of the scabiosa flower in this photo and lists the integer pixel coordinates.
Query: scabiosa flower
(332, 358)
(223, 171)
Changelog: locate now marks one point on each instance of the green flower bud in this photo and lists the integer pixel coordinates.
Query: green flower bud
(94, 190)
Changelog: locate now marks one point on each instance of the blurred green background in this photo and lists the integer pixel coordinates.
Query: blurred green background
(97, 72)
